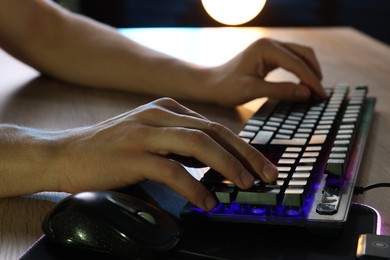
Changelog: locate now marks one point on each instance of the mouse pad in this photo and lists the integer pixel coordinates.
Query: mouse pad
(235, 240)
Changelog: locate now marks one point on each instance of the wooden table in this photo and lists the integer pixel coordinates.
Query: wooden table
(346, 55)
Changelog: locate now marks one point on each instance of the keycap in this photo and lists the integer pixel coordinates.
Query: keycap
(330, 200)
(292, 142)
(262, 137)
(293, 197)
(224, 191)
(317, 139)
(266, 109)
(335, 167)
(258, 195)
(246, 134)
(255, 122)
(251, 128)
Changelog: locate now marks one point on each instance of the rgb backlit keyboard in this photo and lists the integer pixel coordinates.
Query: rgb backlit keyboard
(317, 147)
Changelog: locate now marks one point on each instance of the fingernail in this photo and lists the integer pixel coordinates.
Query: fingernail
(247, 179)
(270, 172)
(210, 201)
(302, 93)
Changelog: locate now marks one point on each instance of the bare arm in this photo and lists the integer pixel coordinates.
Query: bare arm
(131, 147)
(77, 49)
(125, 150)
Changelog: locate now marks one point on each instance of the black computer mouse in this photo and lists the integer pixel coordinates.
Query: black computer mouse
(112, 223)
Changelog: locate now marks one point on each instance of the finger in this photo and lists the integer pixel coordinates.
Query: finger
(197, 144)
(187, 161)
(307, 54)
(282, 57)
(215, 146)
(282, 90)
(175, 176)
(251, 158)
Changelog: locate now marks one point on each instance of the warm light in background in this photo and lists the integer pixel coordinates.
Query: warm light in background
(233, 12)
(188, 47)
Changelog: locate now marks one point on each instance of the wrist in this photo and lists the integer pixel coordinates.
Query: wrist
(174, 78)
(27, 159)
(198, 84)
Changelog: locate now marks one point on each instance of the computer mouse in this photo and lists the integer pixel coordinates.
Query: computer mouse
(113, 223)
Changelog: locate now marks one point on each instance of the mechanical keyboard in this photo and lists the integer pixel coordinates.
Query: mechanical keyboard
(317, 147)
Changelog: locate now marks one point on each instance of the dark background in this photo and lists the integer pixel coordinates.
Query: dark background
(369, 16)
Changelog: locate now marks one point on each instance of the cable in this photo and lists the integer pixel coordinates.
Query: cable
(362, 189)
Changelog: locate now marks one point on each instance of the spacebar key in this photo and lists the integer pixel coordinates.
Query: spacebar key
(262, 137)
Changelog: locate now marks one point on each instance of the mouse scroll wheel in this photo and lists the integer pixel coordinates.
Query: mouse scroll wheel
(145, 215)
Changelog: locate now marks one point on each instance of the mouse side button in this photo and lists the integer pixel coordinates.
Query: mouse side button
(149, 218)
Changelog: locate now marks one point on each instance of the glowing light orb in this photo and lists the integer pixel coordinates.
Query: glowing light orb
(233, 12)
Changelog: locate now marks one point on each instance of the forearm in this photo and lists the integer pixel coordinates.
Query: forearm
(97, 55)
(77, 49)
(25, 157)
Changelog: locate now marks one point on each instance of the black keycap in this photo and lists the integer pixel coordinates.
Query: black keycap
(293, 197)
(258, 195)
